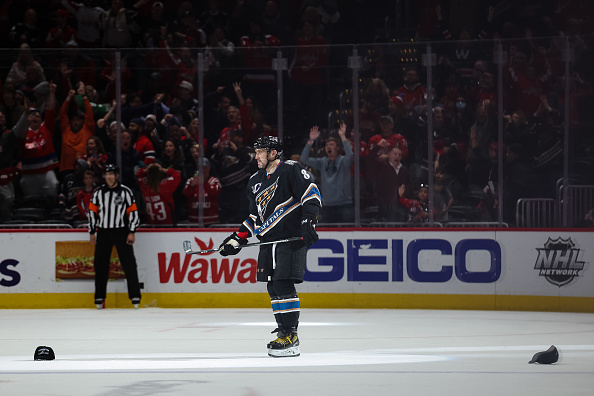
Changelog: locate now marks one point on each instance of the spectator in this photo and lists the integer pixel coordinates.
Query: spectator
(71, 185)
(484, 92)
(387, 138)
(412, 91)
(246, 106)
(27, 31)
(181, 138)
(89, 20)
(10, 165)
(40, 92)
(210, 201)
(184, 106)
(158, 186)
(491, 202)
(442, 195)
(119, 26)
(155, 132)
(462, 120)
(220, 55)
(397, 111)
(442, 135)
(377, 93)
(108, 76)
(38, 153)
(99, 109)
(130, 161)
(234, 120)
(479, 137)
(216, 118)
(24, 64)
(34, 76)
(182, 62)
(76, 130)
(75, 66)
(96, 157)
(516, 129)
(11, 109)
(172, 157)
(189, 32)
(528, 83)
(369, 120)
(214, 18)
(418, 209)
(235, 165)
(151, 25)
(134, 107)
(390, 174)
(62, 33)
(83, 198)
(258, 49)
(335, 172)
(307, 71)
(142, 143)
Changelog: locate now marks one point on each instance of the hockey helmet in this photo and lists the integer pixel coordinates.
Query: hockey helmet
(112, 168)
(270, 143)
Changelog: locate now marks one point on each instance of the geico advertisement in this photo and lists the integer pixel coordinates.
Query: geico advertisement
(448, 262)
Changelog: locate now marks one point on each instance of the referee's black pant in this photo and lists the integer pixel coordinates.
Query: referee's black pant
(106, 239)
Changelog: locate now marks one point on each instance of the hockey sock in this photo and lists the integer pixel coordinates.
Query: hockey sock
(278, 317)
(273, 301)
(285, 303)
(287, 309)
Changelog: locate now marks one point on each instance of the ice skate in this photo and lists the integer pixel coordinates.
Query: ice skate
(100, 303)
(277, 330)
(136, 302)
(286, 345)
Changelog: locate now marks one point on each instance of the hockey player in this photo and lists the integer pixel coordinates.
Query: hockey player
(284, 202)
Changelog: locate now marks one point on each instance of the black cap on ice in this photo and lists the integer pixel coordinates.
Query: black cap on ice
(549, 356)
(44, 353)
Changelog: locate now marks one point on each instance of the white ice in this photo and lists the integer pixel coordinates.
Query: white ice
(221, 352)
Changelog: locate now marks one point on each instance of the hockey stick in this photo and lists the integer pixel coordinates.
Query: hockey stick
(188, 245)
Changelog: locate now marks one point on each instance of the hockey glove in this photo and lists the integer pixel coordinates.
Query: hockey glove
(231, 245)
(308, 231)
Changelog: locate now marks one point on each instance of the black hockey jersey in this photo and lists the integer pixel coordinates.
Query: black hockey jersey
(279, 201)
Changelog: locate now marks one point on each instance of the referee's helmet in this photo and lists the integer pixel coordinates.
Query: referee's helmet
(112, 168)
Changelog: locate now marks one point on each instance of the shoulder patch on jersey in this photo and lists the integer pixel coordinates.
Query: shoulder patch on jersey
(290, 162)
(256, 187)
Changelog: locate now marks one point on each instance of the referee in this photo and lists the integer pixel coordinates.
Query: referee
(113, 219)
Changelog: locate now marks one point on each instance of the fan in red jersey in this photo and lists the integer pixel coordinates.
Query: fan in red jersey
(157, 185)
(210, 201)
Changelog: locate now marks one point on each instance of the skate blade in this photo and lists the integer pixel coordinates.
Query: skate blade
(288, 352)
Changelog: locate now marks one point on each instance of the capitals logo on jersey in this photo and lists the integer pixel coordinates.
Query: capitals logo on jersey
(265, 197)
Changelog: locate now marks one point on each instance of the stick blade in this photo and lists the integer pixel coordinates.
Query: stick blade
(187, 247)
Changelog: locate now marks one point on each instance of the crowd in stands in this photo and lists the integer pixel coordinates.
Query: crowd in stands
(59, 99)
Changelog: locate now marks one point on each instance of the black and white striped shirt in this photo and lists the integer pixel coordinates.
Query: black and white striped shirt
(113, 208)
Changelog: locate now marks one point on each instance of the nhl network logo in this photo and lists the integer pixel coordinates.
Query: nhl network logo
(558, 261)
